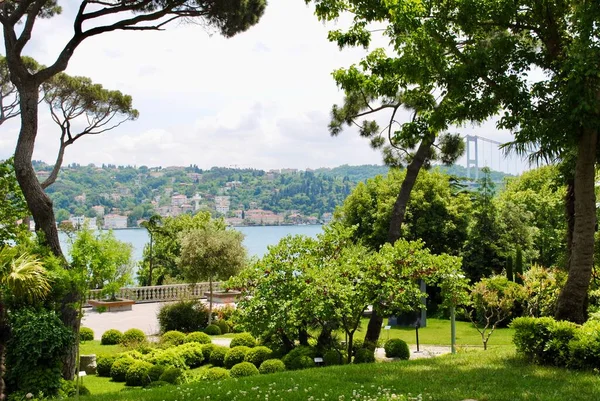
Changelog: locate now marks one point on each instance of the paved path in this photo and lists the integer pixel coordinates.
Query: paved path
(143, 317)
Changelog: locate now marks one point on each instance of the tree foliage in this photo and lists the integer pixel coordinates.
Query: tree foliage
(13, 206)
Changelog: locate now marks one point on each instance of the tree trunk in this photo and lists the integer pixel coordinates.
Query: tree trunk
(38, 202)
(571, 300)
(210, 300)
(570, 212)
(303, 335)
(70, 318)
(397, 218)
(350, 341)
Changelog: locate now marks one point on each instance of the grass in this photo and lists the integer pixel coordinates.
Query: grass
(493, 375)
(437, 332)
(94, 347)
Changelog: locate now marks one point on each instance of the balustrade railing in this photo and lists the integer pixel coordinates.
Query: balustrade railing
(160, 293)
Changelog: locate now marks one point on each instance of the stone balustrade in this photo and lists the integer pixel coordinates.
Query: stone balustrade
(160, 293)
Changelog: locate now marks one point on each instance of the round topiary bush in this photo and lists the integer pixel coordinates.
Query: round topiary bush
(396, 348)
(297, 352)
(191, 353)
(302, 362)
(119, 369)
(212, 330)
(86, 334)
(172, 375)
(137, 374)
(198, 337)
(243, 369)
(271, 366)
(111, 337)
(103, 364)
(168, 357)
(364, 355)
(217, 356)
(214, 374)
(133, 337)
(235, 355)
(185, 316)
(258, 355)
(172, 337)
(244, 339)
(206, 351)
(155, 372)
(333, 357)
(223, 326)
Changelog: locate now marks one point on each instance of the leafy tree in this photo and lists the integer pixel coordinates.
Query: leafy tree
(105, 260)
(482, 253)
(20, 276)
(166, 246)
(211, 253)
(479, 56)
(13, 204)
(153, 225)
(493, 300)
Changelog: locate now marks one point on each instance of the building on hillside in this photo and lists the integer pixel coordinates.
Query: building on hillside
(326, 218)
(222, 204)
(265, 217)
(179, 200)
(233, 184)
(289, 170)
(80, 198)
(187, 208)
(196, 199)
(115, 221)
(77, 221)
(234, 221)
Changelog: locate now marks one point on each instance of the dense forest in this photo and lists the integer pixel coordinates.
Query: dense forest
(140, 192)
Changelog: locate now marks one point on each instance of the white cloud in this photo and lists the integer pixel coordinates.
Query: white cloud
(260, 99)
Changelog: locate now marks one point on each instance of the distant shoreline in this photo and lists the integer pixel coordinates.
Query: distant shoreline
(245, 226)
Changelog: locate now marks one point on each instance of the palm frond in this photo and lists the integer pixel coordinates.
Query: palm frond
(23, 275)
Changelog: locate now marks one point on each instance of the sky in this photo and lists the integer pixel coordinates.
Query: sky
(258, 100)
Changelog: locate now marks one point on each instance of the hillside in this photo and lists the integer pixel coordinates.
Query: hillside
(122, 195)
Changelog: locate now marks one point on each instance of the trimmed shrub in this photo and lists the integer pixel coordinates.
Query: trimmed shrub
(364, 355)
(214, 374)
(243, 369)
(68, 389)
(396, 348)
(302, 362)
(585, 347)
(172, 375)
(169, 358)
(235, 355)
(544, 340)
(217, 355)
(155, 372)
(119, 368)
(271, 366)
(244, 339)
(137, 374)
(258, 355)
(299, 351)
(86, 334)
(172, 337)
(212, 330)
(133, 337)
(104, 363)
(192, 354)
(185, 316)
(206, 351)
(198, 337)
(135, 354)
(157, 383)
(333, 357)
(111, 337)
(223, 326)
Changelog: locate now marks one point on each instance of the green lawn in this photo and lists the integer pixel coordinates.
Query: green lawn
(94, 347)
(493, 375)
(437, 332)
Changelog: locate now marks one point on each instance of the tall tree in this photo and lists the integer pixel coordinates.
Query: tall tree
(21, 276)
(211, 253)
(91, 19)
(535, 62)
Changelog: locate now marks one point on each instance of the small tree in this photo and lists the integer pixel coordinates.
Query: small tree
(493, 300)
(103, 259)
(211, 253)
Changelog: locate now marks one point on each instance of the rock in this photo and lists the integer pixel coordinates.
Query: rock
(87, 363)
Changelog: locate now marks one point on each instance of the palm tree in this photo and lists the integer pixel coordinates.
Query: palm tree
(23, 276)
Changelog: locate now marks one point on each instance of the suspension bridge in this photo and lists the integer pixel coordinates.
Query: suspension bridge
(484, 152)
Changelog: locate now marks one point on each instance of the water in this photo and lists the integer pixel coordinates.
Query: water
(256, 238)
